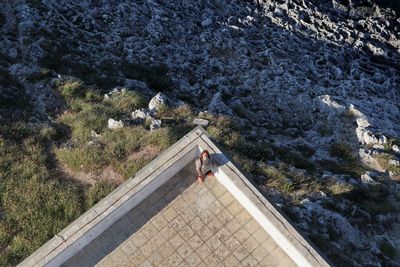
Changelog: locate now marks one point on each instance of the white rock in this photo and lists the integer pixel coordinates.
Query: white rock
(94, 134)
(396, 149)
(201, 122)
(383, 140)
(328, 105)
(378, 146)
(157, 101)
(366, 137)
(155, 124)
(113, 124)
(394, 162)
(367, 179)
(362, 122)
(141, 114)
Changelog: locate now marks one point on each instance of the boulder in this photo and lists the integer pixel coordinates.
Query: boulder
(362, 122)
(396, 149)
(366, 137)
(155, 124)
(201, 122)
(141, 114)
(367, 179)
(113, 124)
(157, 102)
(217, 106)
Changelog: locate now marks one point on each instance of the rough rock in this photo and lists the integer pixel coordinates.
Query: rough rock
(201, 122)
(394, 162)
(113, 124)
(157, 102)
(327, 217)
(367, 179)
(217, 106)
(155, 124)
(322, 71)
(141, 114)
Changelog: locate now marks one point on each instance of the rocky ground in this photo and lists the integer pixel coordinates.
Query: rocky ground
(315, 78)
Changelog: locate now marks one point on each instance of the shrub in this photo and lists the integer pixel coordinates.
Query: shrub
(179, 114)
(295, 158)
(71, 88)
(387, 249)
(384, 159)
(258, 152)
(340, 188)
(342, 150)
(348, 162)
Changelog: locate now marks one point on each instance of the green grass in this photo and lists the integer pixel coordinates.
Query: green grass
(97, 192)
(35, 205)
(129, 168)
(127, 102)
(71, 88)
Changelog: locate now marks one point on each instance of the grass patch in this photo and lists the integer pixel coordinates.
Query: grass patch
(88, 118)
(98, 191)
(35, 199)
(277, 179)
(71, 88)
(35, 206)
(340, 188)
(131, 167)
(127, 101)
(384, 159)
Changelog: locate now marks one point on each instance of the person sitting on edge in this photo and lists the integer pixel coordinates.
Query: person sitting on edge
(204, 164)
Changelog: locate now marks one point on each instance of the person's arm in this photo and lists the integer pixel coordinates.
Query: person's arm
(214, 165)
(198, 167)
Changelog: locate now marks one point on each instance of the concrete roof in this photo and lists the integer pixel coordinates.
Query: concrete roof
(163, 217)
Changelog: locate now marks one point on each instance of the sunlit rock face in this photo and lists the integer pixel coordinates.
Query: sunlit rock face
(299, 72)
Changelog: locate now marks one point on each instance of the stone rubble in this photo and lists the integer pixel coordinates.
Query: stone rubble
(292, 72)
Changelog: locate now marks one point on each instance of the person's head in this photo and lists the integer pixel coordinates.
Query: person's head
(204, 155)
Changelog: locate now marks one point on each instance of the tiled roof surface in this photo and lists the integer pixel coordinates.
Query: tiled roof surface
(184, 223)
